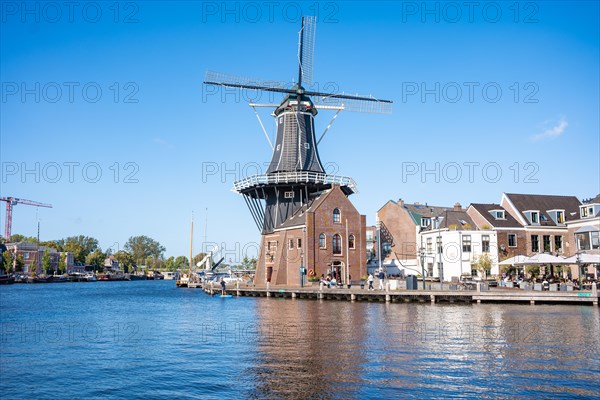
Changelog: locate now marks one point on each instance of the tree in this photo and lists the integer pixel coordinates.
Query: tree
(19, 263)
(169, 264)
(181, 262)
(47, 264)
(96, 259)
(248, 263)
(7, 261)
(125, 260)
(22, 238)
(52, 244)
(143, 247)
(81, 246)
(62, 263)
(483, 264)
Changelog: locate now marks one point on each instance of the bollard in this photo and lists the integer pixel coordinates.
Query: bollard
(320, 286)
(387, 287)
(388, 298)
(353, 297)
(293, 295)
(478, 287)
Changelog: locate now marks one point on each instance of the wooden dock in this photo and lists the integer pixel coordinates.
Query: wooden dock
(421, 296)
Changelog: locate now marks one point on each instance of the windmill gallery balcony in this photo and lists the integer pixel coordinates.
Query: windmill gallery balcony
(291, 178)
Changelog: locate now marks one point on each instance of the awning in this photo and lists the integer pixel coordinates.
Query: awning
(589, 228)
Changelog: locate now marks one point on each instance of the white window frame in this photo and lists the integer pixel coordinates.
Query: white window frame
(508, 239)
(289, 195)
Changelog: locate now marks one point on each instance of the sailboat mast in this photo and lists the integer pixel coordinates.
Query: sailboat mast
(191, 242)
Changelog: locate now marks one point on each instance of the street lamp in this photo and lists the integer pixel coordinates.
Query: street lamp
(578, 261)
(422, 254)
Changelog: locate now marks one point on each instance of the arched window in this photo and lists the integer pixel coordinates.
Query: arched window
(337, 215)
(322, 241)
(337, 244)
(351, 242)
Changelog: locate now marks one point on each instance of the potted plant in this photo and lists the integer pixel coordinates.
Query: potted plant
(362, 281)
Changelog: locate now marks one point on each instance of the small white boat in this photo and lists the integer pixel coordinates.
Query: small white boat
(171, 275)
(90, 277)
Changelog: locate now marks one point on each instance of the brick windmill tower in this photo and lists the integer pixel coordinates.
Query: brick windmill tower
(287, 201)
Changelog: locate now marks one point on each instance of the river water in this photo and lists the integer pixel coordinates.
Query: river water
(151, 340)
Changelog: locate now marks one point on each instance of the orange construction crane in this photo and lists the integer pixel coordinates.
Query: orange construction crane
(13, 201)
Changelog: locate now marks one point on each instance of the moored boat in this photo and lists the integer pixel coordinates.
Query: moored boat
(7, 280)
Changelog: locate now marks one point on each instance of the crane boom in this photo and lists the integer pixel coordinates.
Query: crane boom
(13, 201)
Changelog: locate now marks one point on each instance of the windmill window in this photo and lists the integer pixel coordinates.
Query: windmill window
(322, 242)
(306, 146)
(351, 242)
(278, 147)
(337, 244)
(291, 246)
(289, 195)
(337, 216)
(299, 243)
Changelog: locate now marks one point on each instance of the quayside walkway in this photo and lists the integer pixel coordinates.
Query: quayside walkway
(478, 295)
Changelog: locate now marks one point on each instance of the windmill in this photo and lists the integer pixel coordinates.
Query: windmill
(295, 173)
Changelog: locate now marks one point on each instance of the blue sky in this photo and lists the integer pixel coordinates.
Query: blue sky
(503, 97)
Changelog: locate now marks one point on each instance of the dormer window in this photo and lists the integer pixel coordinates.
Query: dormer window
(533, 216)
(589, 210)
(425, 222)
(558, 216)
(498, 214)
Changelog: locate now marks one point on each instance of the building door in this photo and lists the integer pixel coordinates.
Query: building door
(339, 271)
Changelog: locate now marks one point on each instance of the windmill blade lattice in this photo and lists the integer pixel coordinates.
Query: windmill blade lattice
(223, 79)
(306, 50)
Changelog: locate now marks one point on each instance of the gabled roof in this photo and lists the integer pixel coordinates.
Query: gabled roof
(595, 200)
(460, 219)
(484, 210)
(418, 211)
(299, 218)
(543, 203)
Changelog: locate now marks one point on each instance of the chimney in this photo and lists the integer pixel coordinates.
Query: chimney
(401, 202)
(457, 206)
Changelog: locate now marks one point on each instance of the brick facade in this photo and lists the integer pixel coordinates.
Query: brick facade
(284, 251)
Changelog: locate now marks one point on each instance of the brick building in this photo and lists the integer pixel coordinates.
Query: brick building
(510, 234)
(326, 236)
(401, 224)
(544, 219)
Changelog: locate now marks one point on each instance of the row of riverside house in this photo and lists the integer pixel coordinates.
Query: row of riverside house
(449, 241)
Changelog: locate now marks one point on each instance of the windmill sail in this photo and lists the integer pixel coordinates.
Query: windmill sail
(295, 175)
(306, 50)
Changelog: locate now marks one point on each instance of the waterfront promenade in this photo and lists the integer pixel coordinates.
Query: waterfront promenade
(478, 295)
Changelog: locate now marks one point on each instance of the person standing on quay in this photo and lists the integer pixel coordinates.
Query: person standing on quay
(223, 287)
(381, 279)
(370, 280)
